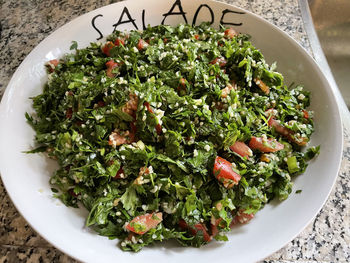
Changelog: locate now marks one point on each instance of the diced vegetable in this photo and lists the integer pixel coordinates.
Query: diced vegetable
(107, 48)
(230, 33)
(196, 229)
(143, 223)
(292, 163)
(265, 145)
(225, 172)
(241, 149)
(142, 44)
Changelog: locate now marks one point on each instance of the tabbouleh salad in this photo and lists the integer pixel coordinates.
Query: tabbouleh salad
(171, 133)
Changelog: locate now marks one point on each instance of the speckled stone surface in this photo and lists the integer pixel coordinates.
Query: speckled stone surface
(24, 23)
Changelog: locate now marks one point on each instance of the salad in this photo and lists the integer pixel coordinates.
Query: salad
(171, 133)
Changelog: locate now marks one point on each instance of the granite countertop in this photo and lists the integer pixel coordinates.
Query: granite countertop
(24, 23)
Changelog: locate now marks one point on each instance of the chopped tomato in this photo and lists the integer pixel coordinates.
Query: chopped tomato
(241, 149)
(221, 61)
(223, 171)
(306, 114)
(287, 133)
(148, 107)
(110, 66)
(119, 174)
(159, 129)
(279, 127)
(201, 228)
(214, 225)
(241, 218)
(196, 37)
(165, 40)
(142, 44)
(182, 82)
(262, 85)
(230, 33)
(72, 193)
(143, 223)
(265, 145)
(182, 224)
(107, 48)
(69, 113)
(52, 64)
(215, 222)
(119, 41)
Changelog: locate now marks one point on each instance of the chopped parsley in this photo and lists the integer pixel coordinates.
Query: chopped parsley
(171, 133)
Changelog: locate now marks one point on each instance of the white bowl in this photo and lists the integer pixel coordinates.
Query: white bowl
(26, 176)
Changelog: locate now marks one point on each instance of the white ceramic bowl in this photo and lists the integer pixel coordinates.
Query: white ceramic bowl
(26, 176)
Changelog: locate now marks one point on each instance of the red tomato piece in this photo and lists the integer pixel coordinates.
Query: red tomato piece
(223, 171)
(52, 64)
(279, 127)
(265, 145)
(202, 228)
(182, 82)
(241, 218)
(197, 228)
(230, 33)
(142, 44)
(69, 113)
(306, 114)
(143, 223)
(196, 37)
(159, 129)
(119, 174)
(287, 133)
(221, 61)
(110, 66)
(182, 224)
(214, 225)
(119, 41)
(107, 48)
(148, 107)
(241, 149)
(72, 193)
